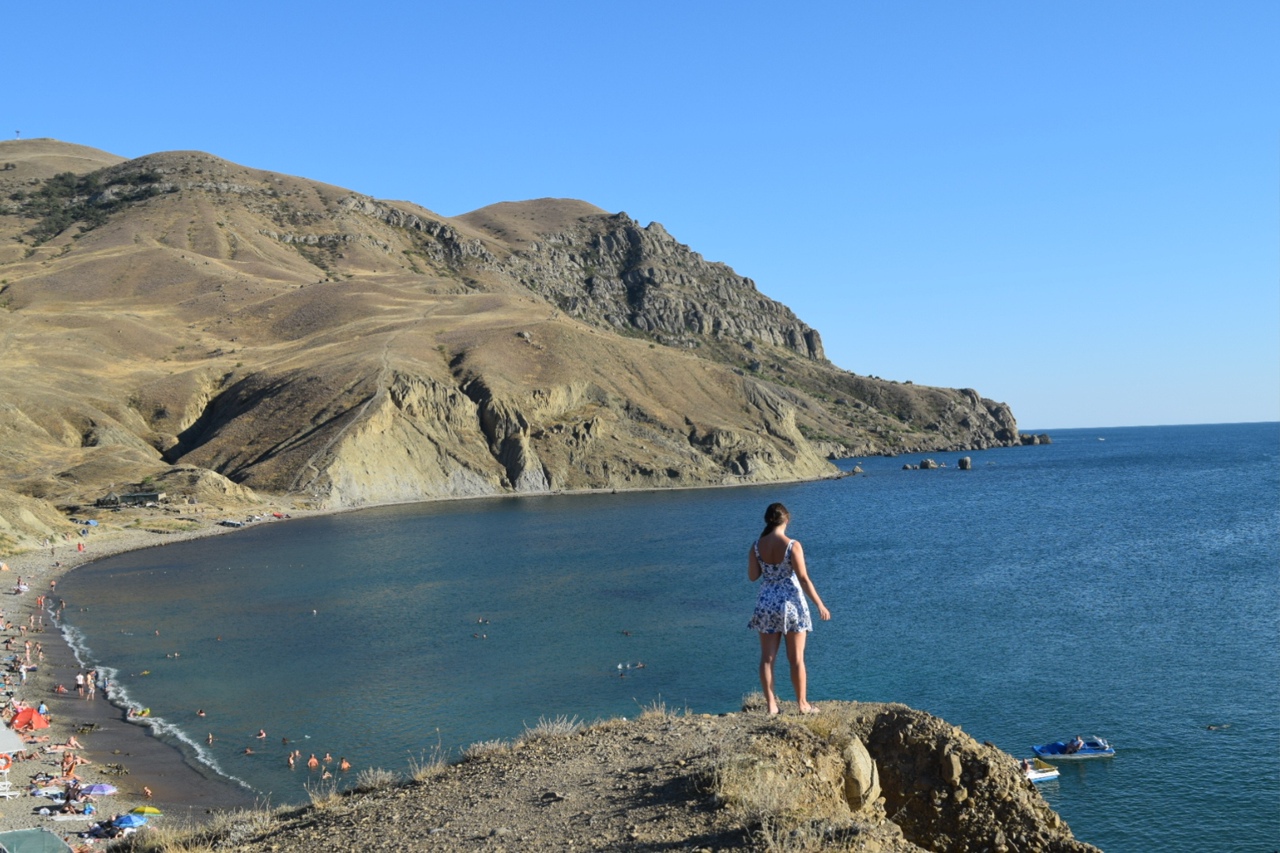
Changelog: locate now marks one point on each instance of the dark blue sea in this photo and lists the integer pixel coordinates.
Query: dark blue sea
(1120, 582)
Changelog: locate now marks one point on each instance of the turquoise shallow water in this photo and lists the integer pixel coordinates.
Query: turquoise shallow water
(1125, 587)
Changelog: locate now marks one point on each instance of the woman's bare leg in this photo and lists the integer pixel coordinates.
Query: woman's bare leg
(799, 678)
(768, 654)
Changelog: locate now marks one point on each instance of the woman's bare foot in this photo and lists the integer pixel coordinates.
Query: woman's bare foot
(809, 709)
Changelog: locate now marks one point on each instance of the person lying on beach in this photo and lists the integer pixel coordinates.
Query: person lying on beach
(71, 743)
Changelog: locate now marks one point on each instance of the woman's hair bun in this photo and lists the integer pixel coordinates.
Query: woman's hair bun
(775, 515)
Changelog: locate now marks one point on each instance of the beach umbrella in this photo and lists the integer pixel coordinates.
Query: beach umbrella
(98, 789)
(147, 810)
(125, 821)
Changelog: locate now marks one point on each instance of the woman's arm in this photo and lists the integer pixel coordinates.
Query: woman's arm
(753, 565)
(802, 575)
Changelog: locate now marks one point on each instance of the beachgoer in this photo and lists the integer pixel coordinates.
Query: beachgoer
(781, 610)
(209, 739)
(344, 765)
(200, 712)
(248, 751)
(80, 684)
(262, 733)
(328, 759)
(1076, 744)
(146, 792)
(291, 759)
(313, 762)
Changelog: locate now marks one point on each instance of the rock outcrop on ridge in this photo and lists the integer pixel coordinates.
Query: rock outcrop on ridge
(875, 778)
(298, 338)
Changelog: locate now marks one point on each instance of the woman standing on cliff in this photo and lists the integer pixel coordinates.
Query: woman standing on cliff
(780, 607)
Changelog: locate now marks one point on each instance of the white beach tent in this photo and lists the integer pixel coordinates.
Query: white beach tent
(38, 840)
(9, 741)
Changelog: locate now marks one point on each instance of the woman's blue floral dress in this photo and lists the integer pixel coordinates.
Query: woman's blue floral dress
(780, 607)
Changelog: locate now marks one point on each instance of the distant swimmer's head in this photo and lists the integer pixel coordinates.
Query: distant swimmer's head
(774, 517)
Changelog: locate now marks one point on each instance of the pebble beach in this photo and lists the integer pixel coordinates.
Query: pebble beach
(117, 750)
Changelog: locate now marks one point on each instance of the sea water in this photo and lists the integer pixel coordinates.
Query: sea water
(1118, 582)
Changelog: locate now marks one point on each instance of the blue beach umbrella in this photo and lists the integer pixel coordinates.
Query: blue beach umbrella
(129, 820)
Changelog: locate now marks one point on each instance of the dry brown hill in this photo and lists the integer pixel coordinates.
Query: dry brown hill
(300, 338)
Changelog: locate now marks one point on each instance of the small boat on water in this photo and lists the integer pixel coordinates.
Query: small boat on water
(1039, 771)
(1071, 750)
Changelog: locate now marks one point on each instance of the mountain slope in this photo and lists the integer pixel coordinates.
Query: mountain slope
(295, 337)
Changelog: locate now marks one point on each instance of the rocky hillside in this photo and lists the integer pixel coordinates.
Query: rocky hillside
(179, 312)
(863, 777)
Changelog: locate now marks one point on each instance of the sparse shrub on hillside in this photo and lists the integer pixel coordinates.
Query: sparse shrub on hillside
(485, 747)
(373, 778)
(555, 727)
(427, 765)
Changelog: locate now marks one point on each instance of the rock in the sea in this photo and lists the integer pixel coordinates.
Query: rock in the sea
(965, 463)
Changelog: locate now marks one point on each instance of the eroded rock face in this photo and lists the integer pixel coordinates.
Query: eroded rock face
(906, 773)
(609, 270)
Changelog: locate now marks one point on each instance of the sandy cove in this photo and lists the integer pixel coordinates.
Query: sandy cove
(184, 793)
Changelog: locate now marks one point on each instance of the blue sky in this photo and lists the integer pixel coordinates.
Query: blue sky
(1073, 207)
